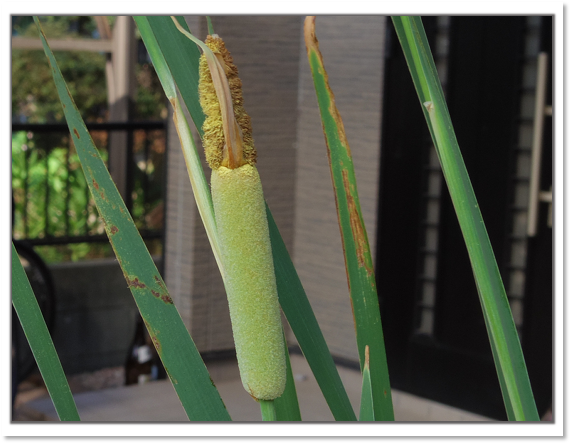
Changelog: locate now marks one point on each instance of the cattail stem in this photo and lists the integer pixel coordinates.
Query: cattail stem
(268, 410)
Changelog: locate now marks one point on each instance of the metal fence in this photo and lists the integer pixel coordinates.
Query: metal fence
(52, 204)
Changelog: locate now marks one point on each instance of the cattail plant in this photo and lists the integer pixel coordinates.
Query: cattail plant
(242, 226)
(240, 229)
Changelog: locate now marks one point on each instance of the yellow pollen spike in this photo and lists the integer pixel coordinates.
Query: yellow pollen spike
(218, 139)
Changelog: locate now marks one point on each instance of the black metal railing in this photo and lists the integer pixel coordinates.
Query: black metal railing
(51, 201)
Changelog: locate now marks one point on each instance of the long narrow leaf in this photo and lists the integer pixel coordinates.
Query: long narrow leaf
(40, 341)
(293, 299)
(176, 349)
(159, 62)
(182, 58)
(358, 260)
(303, 322)
(504, 341)
(198, 181)
(287, 405)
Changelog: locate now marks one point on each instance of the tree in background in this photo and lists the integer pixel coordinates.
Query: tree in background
(34, 97)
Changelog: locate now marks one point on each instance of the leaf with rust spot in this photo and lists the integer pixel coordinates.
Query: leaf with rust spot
(135, 283)
(157, 344)
(164, 297)
(159, 281)
(180, 355)
(357, 228)
(356, 250)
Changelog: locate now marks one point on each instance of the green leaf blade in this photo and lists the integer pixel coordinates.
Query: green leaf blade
(358, 260)
(182, 58)
(287, 405)
(302, 321)
(504, 340)
(200, 187)
(176, 349)
(159, 62)
(41, 343)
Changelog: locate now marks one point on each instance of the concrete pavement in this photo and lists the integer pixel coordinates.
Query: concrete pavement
(157, 400)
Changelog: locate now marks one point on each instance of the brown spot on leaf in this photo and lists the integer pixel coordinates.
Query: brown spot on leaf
(76, 133)
(101, 193)
(159, 281)
(353, 311)
(135, 283)
(164, 297)
(357, 227)
(156, 343)
(114, 229)
(312, 46)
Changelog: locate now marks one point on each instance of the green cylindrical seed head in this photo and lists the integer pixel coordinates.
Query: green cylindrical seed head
(242, 226)
(250, 282)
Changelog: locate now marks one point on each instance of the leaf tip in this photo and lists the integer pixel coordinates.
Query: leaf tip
(309, 33)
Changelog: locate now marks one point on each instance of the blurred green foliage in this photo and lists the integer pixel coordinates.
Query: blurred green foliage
(41, 169)
(34, 97)
(43, 182)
